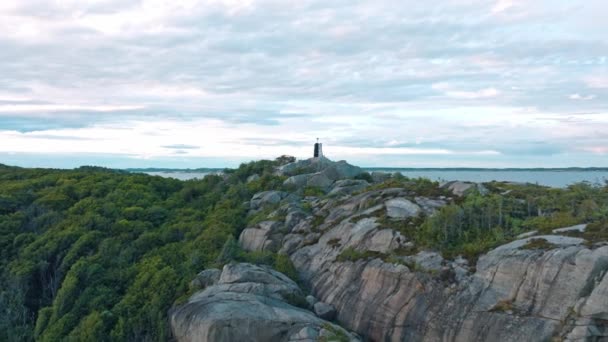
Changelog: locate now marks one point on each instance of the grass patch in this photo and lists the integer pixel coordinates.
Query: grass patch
(313, 191)
(296, 300)
(597, 231)
(351, 254)
(545, 224)
(334, 242)
(503, 306)
(336, 335)
(262, 216)
(538, 244)
(317, 221)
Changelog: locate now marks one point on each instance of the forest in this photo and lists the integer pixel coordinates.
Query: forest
(95, 254)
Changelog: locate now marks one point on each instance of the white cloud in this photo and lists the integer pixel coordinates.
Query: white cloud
(468, 95)
(581, 97)
(21, 108)
(502, 5)
(253, 78)
(597, 82)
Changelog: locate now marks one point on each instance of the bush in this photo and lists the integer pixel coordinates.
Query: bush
(366, 176)
(351, 254)
(538, 244)
(283, 264)
(313, 191)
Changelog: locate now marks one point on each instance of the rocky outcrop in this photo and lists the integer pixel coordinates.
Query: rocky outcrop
(379, 177)
(347, 186)
(532, 291)
(317, 172)
(250, 303)
(512, 293)
(462, 188)
(266, 236)
(206, 278)
(265, 198)
(353, 250)
(325, 311)
(401, 208)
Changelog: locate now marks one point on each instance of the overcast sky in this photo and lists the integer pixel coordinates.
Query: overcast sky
(185, 83)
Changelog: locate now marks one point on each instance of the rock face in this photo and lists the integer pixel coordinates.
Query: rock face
(317, 172)
(248, 303)
(267, 197)
(347, 186)
(266, 236)
(352, 251)
(462, 188)
(325, 311)
(206, 278)
(512, 293)
(400, 208)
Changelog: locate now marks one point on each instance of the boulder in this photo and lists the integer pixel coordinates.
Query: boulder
(347, 186)
(401, 208)
(379, 177)
(249, 303)
(319, 180)
(311, 300)
(298, 181)
(596, 305)
(306, 334)
(430, 206)
(265, 198)
(426, 260)
(291, 242)
(342, 169)
(293, 218)
(462, 188)
(385, 241)
(318, 172)
(266, 236)
(206, 278)
(325, 311)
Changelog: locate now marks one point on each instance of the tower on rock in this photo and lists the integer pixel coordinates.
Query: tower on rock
(318, 149)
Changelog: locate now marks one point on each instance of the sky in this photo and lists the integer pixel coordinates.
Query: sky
(212, 83)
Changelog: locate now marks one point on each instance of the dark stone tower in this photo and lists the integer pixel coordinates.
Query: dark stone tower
(318, 149)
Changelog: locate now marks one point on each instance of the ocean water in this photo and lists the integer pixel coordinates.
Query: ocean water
(180, 175)
(556, 179)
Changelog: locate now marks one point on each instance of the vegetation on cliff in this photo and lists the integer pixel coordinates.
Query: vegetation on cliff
(96, 254)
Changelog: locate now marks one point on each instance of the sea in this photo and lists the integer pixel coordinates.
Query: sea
(552, 178)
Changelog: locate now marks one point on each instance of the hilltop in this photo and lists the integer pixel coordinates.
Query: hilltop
(397, 259)
(298, 250)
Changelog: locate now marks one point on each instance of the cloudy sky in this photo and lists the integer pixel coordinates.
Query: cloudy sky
(211, 83)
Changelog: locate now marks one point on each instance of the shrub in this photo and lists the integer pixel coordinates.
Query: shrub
(538, 244)
(366, 176)
(313, 191)
(503, 306)
(283, 264)
(351, 254)
(336, 334)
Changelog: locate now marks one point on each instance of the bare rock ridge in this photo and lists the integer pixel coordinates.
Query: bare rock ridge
(244, 302)
(346, 247)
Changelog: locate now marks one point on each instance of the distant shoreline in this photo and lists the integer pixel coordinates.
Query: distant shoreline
(578, 169)
(396, 169)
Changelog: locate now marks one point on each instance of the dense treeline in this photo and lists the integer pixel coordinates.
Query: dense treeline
(95, 254)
